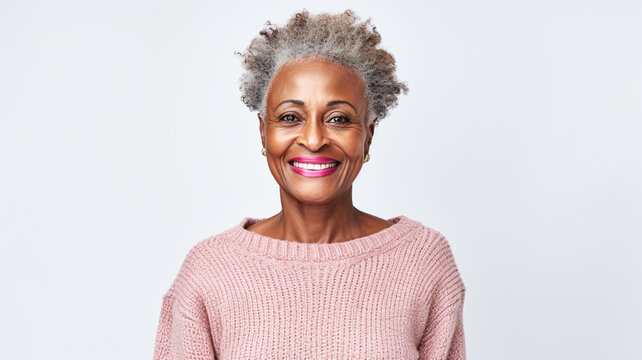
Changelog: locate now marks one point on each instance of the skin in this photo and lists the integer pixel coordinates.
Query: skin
(316, 209)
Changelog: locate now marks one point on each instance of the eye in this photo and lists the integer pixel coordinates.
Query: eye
(339, 120)
(288, 118)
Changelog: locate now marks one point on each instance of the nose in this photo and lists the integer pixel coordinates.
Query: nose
(313, 135)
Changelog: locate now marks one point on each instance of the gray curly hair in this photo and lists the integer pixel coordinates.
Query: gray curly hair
(339, 38)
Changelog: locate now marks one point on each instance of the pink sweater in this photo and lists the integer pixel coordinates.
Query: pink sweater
(395, 294)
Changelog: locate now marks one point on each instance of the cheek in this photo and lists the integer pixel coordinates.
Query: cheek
(278, 142)
(354, 146)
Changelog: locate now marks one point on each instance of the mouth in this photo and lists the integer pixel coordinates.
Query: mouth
(313, 166)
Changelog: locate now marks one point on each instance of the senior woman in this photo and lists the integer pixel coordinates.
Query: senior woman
(320, 279)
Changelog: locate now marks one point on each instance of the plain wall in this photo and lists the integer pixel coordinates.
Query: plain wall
(124, 142)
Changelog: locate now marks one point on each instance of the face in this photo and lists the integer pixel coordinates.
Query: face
(315, 131)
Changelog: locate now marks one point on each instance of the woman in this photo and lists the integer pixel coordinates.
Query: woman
(320, 279)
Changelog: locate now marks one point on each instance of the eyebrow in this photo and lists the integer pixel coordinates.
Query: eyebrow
(330, 103)
(298, 102)
(334, 102)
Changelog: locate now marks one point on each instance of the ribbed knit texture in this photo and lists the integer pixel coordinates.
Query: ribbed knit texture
(395, 294)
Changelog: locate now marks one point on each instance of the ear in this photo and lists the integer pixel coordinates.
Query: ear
(261, 129)
(369, 135)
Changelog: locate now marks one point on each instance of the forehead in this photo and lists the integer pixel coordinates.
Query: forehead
(316, 79)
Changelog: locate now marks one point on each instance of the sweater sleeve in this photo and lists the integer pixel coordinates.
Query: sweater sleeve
(444, 339)
(443, 336)
(183, 329)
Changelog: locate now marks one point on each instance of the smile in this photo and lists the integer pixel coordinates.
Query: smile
(313, 166)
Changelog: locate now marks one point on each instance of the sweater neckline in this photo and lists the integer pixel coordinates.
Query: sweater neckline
(292, 250)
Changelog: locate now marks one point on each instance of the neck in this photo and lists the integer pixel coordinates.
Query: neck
(335, 221)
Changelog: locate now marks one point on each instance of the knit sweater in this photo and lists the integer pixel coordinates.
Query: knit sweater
(394, 294)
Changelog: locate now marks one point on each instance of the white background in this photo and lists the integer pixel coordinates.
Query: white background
(124, 142)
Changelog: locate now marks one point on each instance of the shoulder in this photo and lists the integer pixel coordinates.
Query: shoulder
(431, 241)
(198, 264)
(435, 257)
(209, 248)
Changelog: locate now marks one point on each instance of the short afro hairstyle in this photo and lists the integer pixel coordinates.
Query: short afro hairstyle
(338, 38)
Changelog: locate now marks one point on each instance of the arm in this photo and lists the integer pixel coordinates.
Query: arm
(183, 329)
(444, 338)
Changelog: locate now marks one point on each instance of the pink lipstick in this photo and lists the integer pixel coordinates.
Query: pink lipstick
(313, 166)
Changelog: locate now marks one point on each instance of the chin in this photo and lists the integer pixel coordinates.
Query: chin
(309, 196)
(313, 198)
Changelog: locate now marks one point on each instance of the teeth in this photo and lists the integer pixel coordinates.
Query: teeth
(315, 166)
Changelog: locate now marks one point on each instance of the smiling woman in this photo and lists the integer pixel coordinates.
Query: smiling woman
(321, 279)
